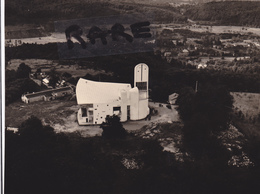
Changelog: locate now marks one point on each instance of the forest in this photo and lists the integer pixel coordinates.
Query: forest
(43, 14)
(238, 13)
(40, 12)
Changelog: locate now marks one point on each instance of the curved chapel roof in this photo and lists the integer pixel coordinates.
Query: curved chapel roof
(89, 92)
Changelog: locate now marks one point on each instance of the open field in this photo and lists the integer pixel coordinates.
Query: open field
(212, 29)
(247, 110)
(247, 103)
(251, 130)
(224, 29)
(49, 112)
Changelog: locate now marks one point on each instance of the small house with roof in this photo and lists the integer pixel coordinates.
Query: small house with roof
(47, 95)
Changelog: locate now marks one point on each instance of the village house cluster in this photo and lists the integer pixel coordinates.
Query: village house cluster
(199, 51)
(60, 89)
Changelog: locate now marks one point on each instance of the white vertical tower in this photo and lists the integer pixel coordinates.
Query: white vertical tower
(141, 76)
(141, 80)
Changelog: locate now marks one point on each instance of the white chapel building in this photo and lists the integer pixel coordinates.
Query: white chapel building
(99, 99)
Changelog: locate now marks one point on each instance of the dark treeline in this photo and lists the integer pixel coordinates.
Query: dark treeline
(42, 12)
(239, 13)
(165, 78)
(32, 51)
(40, 161)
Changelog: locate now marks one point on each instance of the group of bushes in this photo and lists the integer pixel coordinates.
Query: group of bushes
(205, 113)
(38, 160)
(18, 83)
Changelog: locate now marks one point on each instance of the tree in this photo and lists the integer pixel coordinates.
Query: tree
(39, 70)
(200, 140)
(34, 133)
(185, 102)
(113, 128)
(215, 102)
(66, 75)
(54, 77)
(204, 113)
(29, 126)
(16, 88)
(10, 75)
(23, 71)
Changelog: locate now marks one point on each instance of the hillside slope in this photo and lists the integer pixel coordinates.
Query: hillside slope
(37, 17)
(226, 13)
(40, 11)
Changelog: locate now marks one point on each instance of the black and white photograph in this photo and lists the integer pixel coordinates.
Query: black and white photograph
(130, 97)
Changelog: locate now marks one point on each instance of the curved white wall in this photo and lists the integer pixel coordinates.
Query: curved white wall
(134, 103)
(143, 109)
(124, 101)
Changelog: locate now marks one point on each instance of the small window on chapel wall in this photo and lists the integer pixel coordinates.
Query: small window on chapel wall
(141, 85)
(117, 108)
(84, 112)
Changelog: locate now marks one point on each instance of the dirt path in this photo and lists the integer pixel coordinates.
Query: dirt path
(70, 123)
(165, 115)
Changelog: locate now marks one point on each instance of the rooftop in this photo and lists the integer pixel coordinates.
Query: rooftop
(89, 92)
(47, 92)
